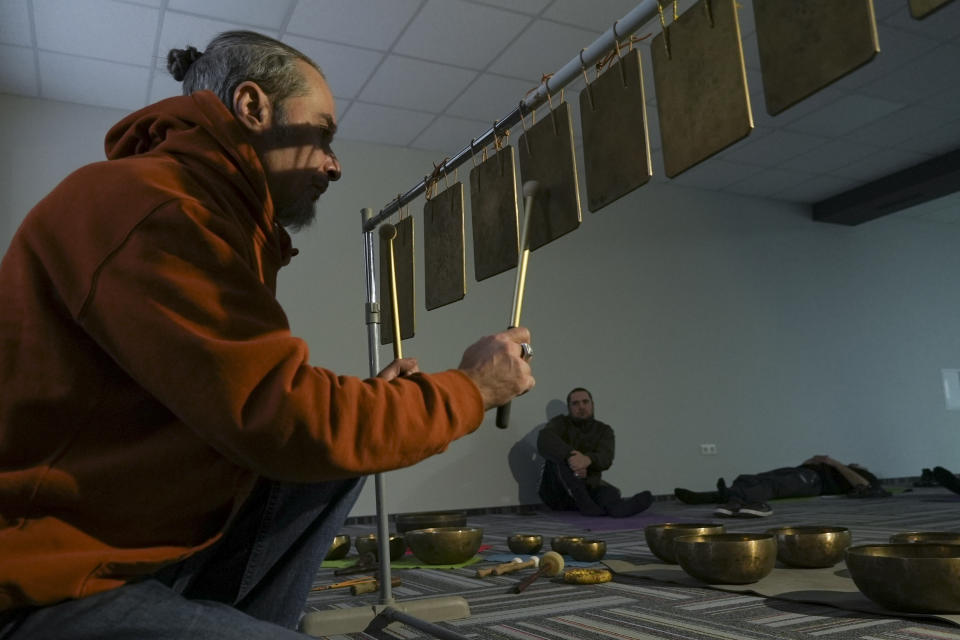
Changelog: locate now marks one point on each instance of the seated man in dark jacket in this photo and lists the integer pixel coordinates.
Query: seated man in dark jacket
(577, 449)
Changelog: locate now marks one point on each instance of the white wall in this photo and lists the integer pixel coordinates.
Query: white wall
(694, 317)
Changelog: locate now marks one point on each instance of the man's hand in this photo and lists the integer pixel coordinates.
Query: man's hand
(496, 366)
(401, 367)
(579, 463)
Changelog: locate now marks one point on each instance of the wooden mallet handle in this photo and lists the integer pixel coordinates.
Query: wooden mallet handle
(550, 565)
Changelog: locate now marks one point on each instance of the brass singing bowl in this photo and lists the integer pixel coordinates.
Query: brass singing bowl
(660, 537)
(727, 558)
(811, 546)
(562, 544)
(588, 550)
(525, 543)
(339, 548)
(430, 520)
(916, 578)
(926, 537)
(445, 545)
(368, 544)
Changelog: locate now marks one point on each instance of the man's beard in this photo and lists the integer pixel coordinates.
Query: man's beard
(297, 214)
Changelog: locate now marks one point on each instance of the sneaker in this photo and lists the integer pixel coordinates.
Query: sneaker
(729, 510)
(754, 510)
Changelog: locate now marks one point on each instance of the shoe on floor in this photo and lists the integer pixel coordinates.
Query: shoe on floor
(728, 510)
(696, 497)
(631, 506)
(947, 479)
(754, 510)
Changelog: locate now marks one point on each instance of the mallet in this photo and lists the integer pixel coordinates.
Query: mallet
(529, 190)
(550, 565)
(508, 567)
(387, 233)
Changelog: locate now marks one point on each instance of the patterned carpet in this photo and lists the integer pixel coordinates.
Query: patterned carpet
(640, 609)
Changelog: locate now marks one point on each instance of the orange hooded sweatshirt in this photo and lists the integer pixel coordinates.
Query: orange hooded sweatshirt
(147, 372)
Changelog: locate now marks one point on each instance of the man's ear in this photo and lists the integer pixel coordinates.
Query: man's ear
(252, 107)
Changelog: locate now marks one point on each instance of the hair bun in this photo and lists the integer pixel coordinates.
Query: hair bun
(179, 61)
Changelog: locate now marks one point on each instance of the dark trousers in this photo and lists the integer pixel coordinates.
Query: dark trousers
(561, 490)
(787, 482)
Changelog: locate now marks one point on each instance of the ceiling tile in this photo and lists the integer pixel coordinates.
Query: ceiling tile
(919, 78)
(94, 82)
(156, 4)
(903, 124)
(714, 175)
(15, 23)
(254, 13)
(945, 98)
(416, 84)
(529, 7)
(844, 115)
(449, 136)
(887, 8)
(121, 32)
(489, 97)
(384, 125)
(164, 86)
(771, 150)
(18, 74)
(364, 23)
(817, 188)
(459, 33)
(944, 23)
(897, 48)
(937, 142)
(830, 156)
(346, 68)
(544, 48)
(767, 183)
(180, 31)
(598, 15)
(815, 102)
(880, 164)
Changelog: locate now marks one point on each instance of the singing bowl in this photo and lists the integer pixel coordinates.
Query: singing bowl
(727, 558)
(445, 545)
(660, 537)
(811, 547)
(430, 520)
(339, 548)
(588, 550)
(916, 578)
(368, 544)
(563, 544)
(525, 543)
(926, 537)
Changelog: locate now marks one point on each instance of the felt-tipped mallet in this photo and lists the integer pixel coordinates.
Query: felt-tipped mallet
(550, 565)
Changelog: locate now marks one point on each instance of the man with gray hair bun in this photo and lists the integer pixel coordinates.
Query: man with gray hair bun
(171, 464)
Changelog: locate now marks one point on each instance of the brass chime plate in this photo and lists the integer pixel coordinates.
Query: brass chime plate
(547, 156)
(443, 251)
(403, 261)
(805, 46)
(920, 9)
(613, 116)
(701, 85)
(493, 212)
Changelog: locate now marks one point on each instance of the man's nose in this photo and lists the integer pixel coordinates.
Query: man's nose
(332, 167)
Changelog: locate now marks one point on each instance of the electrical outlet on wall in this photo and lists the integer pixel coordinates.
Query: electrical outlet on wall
(708, 449)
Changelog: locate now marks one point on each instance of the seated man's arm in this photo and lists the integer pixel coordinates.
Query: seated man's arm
(851, 476)
(551, 444)
(602, 456)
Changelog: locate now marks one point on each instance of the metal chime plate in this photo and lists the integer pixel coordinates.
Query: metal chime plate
(493, 212)
(443, 250)
(805, 46)
(547, 156)
(403, 261)
(613, 116)
(702, 97)
(920, 9)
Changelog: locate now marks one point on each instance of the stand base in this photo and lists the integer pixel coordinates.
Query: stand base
(339, 621)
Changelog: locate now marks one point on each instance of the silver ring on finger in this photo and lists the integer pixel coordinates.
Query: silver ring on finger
(526, 351)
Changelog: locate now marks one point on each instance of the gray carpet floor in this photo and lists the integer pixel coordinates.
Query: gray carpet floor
(640, 609)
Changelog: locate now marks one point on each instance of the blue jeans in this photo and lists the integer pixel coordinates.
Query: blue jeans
(252, 584)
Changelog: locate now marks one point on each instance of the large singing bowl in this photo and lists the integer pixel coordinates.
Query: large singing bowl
(727, 558)
(811, 546)
(916, 578)
(926, 537)
(445, 545)
(660, 537)
(430, 520)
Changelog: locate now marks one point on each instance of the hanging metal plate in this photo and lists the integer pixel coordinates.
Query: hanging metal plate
(493, 212)
(547, 156)
(701, 85)
(443, 251)
(403, 260)
(805, 46)
(613, 116)
(920, 9)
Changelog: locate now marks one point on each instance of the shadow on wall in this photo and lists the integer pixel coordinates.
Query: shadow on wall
(524, 460)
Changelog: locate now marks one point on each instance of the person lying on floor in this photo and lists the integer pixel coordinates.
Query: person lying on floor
(577, 448)
(947, 478)
(820, 475)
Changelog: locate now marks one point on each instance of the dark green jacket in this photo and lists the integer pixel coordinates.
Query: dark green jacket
(592, 438)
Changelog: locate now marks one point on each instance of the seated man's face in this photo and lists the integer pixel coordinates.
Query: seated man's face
(580, 405)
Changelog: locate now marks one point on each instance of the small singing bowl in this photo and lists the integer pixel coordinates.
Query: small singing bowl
(445, 545)
(727, 558)
(660, 537)
(563, 544)
(916, 578)
(926, 537)
(811, 547)
(525, 543)
(339, 548)
(588, 550)
(368, 544)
